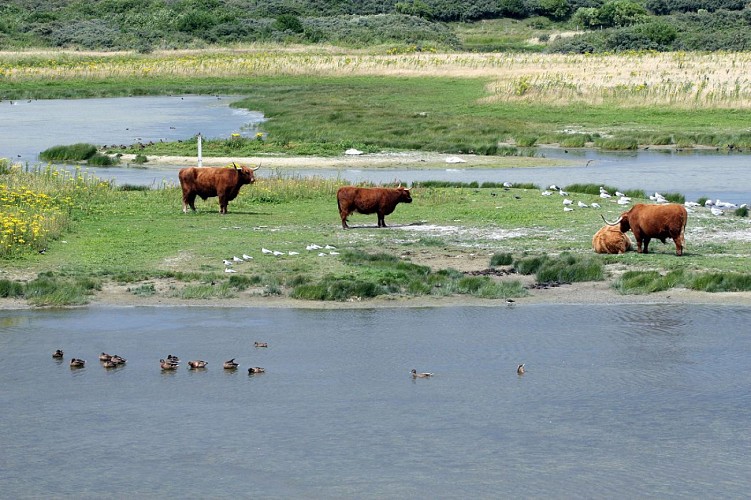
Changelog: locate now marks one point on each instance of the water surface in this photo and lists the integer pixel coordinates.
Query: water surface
(617, 402)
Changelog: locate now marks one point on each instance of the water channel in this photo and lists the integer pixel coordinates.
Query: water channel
(617, 402)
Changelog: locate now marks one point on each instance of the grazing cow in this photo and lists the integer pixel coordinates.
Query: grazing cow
(610, 239)
(654, 221)
(381, 201)
(207, 182)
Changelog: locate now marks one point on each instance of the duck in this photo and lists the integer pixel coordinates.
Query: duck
(77, 363)
(256, 369)
(230, 364)
(118, 360)
(58, 354)
(110, 364)
(420, 375)
(520, 369)
(168, 365)
(197, 364)
(172, 358)
(261, 344)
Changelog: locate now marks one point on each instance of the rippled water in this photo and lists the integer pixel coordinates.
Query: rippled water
(618, 402)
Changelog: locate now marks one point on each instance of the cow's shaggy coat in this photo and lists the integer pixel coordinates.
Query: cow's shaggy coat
(654, 221)
(207, 182)
(381, 201)
(610, 239)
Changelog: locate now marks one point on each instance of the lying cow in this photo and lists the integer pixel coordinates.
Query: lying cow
(654, 221)
(381, 201)
(207, 182)
(610, 239)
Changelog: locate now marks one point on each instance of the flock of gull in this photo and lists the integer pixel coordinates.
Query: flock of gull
(170, 363)
(229, 263)
(717, 207)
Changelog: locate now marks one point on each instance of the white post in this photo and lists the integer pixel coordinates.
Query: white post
(200, 154)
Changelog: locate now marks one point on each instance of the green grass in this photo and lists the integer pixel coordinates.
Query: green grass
(134, 237)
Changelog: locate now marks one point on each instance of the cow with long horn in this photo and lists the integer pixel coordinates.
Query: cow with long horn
(654, 221)
(207, 182)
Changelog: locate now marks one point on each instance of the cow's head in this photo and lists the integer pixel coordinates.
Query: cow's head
(404, 195)
(622, 221)
(246, 174)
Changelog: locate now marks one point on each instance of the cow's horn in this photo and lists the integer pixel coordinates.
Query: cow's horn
(256, 168)
(611, 223)
(235, 165)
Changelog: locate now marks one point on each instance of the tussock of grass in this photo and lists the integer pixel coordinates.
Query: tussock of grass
(11, 289)
(501, 259)
(644, 282)
(73, 152)
(721, 282)
(566, 268)
(204, 291)
(51, 290)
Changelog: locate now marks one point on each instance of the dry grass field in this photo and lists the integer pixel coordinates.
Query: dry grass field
(679, 79)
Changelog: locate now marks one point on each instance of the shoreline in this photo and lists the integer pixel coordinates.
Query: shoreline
(585, 293)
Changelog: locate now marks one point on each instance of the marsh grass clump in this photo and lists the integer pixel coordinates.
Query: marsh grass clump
(11, 289)
(721, 282)
(565, 268)
(568, 268)
(574, 140)
(51, 290)
(203, 291)
(501, 259)
(674, 197)
(644, 282)
(74, 152)
(617, 143)
(100, 160)
(243, 282)
(338, 289)
(741, 212)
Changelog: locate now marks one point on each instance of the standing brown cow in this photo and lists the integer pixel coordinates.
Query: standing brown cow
(381, 201)
(654, 221)
(207, 182)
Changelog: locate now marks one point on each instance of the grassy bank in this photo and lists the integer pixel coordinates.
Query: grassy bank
(475, 241)
(324, 99)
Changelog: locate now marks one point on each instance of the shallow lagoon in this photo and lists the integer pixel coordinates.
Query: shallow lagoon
(618, 401)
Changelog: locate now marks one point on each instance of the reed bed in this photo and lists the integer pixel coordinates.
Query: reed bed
(719, 80)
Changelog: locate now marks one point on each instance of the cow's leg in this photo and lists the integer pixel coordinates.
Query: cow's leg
(381, 219)
(679, 242)
(223, 202)
(343, 214)
(638, 245)
(646, 245)
(189, 200)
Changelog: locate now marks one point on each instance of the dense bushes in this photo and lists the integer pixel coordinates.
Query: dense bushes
(145, 25)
